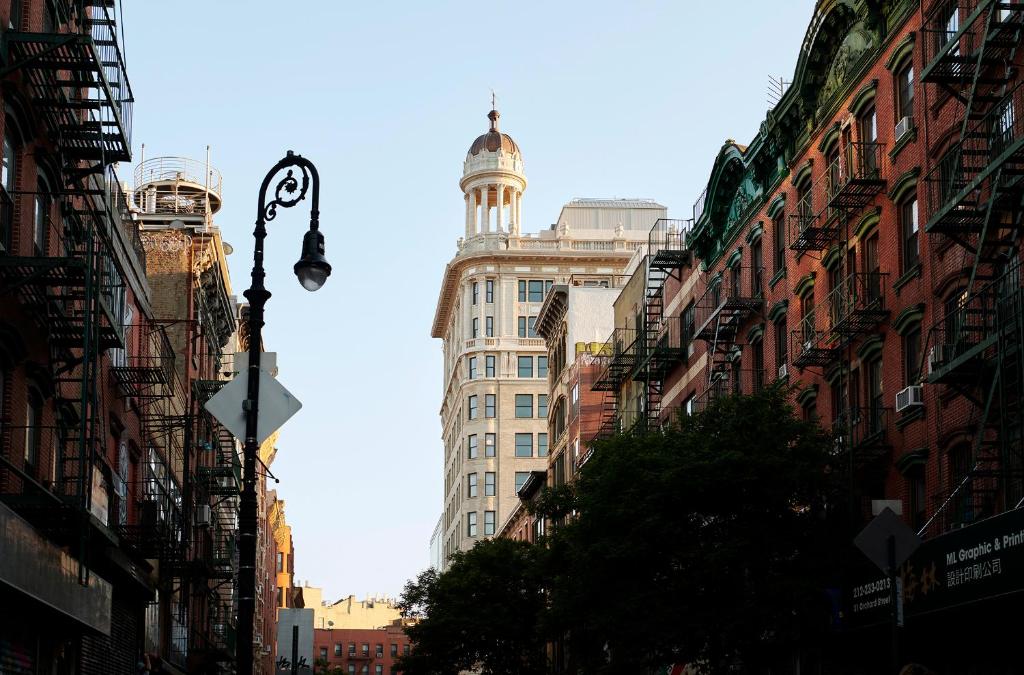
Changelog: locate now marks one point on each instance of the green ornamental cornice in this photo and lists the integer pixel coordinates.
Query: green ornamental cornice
(867, 222)
(755, 333)
(735, 258)
(777, 310)
(804, 285)
(776, 205)
(910, 459)
(833, 374)
(833, 256)
(907, 181)
(806, 395)
(904, 49)
(909, 317)
(804, 172)
(873, 345)
(755, 232)
(829, 137)
(864, 96)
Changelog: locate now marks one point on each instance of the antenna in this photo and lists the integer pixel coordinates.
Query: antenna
(776, 88)
(494, 100)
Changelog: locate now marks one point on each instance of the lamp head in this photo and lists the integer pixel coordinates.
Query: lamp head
(312, 268)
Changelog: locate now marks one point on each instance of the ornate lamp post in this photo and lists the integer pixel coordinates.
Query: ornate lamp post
(312, 269)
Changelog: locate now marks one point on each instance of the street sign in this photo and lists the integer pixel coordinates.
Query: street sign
(277, 405)
(873, 540)
(268, 362)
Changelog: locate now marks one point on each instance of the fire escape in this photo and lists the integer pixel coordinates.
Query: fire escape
(976, 199)
(661, 345)
(730, 300)
(68, 282)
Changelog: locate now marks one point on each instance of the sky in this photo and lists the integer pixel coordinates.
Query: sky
(605, 99)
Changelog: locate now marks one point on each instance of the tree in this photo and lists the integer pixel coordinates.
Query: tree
(710, 543)
(481, 614)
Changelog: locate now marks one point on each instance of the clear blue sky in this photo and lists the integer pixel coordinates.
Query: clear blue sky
(628, 99)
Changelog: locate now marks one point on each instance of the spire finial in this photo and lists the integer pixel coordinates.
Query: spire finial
(494, 114)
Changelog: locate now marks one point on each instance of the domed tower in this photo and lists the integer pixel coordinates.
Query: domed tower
(493, 181)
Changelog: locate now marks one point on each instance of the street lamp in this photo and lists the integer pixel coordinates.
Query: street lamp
(312, 269)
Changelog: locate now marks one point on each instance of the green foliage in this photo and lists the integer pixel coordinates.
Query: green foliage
(709, 543)
(481, 614)
(705, 543)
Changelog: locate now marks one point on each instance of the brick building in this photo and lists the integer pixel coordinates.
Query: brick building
(362, 651)
(863, 247)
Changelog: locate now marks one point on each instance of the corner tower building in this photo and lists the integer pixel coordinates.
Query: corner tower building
(494, 410)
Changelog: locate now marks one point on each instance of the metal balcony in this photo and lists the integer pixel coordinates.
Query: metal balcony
(857, 305)
(666, 244)
(966, 40)
(811, 232)
(145, 369)
(813, 345)
(858, 178)
(620, 350)
(728, 303)
(863, 434)
(78, 85)
(959, 192)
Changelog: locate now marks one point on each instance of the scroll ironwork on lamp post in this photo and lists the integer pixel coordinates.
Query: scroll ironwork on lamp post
(312, 270)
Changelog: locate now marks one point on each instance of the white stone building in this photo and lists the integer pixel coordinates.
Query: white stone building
(493, 415)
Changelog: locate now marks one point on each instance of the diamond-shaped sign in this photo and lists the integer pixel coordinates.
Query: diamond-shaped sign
(277, 405)
(873, 540)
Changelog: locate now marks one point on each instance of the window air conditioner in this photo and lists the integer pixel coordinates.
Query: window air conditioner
(938, 356)
(783, 371)
(203, 514)
(908, 398)
(905, 124)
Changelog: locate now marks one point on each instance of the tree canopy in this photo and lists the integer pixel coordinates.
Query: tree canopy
(710, 543)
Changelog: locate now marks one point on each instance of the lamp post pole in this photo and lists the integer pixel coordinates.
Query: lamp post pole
(312, 271)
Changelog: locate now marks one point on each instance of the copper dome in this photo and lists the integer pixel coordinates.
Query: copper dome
(493, 140)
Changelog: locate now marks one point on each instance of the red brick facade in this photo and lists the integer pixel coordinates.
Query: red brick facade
(361, 650)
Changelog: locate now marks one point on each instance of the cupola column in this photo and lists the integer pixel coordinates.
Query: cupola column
(500, 225)
(485, 225)
(471, 228)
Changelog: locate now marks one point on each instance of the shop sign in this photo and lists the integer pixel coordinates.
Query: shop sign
(980, 561)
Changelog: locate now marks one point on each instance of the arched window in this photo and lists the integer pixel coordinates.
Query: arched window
(960, 485)
(33, 430)
(41, 216)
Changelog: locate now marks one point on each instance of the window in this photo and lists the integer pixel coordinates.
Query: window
(524, 445)
(912, 356)
(524, 405)
(542, 406)
(531, 327)
(533, 290)
(7, 171)
(522, 326)
(471, 485)
(280, 561)
(689, 317)
(525, 366)
(757, 264)
(488, 523)
(472, 367)
(875, 395)
(758, 364)
(522, 291)
(471, 524)
(476, 327)
(521, 478)
(394, 646)
(489, 326)
(365, 670)
(542, 445)
(868, 137)
(489, 366)
(365, 648)
(688, 404)
(41, 218)
(909, 225)
(323, 653)
(542, 366)
(489, 291)
(476, 292)
(352, 667)
(916, 497)
(351, 648)
(471, 447)
(472, 404)
(379, 652)
(874, 274)
(489, 445)
(337, 650)
(405, 650)
(779, 241)
(490, 406)
(489, 484)
(379, 668)
(905, 90)
(33, 429)
(781, 351)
